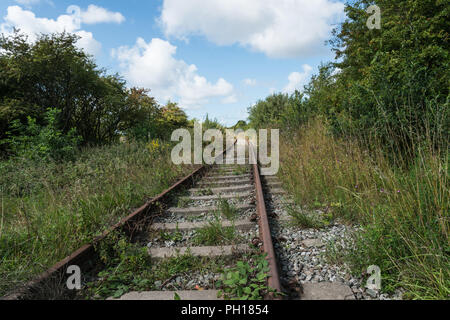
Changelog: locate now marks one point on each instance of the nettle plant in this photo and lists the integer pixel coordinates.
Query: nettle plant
(246, 281)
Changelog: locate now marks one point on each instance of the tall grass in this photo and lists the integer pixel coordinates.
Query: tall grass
(404, 211)
(49, 209)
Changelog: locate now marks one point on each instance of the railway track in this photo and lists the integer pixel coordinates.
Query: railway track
(212, 222)
(216, 214)
(221, 218)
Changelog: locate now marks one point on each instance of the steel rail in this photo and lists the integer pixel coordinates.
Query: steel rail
(264, 229)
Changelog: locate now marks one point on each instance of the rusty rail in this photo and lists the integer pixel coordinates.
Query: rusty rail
(264, 229)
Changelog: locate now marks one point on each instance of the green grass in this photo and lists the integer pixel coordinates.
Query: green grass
(205, 192)
(183, 202)
(305, 219)
(227, 210)
(50, 209)
(240, 170)
(128, 267)
(402, 205)
(170, 236)
(215, 234)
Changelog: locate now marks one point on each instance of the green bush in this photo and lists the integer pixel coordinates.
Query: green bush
(36, 142)
(281, 111)
(393, 82)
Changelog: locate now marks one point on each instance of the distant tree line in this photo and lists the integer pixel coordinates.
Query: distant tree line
(53, 94)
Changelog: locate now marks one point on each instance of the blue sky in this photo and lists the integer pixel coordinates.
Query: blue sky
(217, 56)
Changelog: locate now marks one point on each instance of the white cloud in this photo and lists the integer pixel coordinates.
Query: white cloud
(71, 22)
(88, 43)
(298, 79)
(153, 65)
(278, 28)
(95, 14)
(250, 82)
(31, 25)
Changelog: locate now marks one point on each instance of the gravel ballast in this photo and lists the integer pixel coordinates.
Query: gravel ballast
(301, 254)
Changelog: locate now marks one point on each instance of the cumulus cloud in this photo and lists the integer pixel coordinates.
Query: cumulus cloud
(88, 43)
(298, 79)
(28, 23)
(278, 28)
(153, 65)
(95, 14)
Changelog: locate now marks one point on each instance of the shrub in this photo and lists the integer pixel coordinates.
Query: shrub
(37, 142)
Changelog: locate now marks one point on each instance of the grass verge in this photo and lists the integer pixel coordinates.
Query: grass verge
(49, 209)
(401, 204)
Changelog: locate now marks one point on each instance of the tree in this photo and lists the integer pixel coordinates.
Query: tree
(281, 111)
(144, 119)
(174, 115)
(52, 73)
(268, 112)
(396, 78)
(211, 124)
(241, 124)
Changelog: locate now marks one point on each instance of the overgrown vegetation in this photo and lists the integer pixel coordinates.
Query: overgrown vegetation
(128, 267)
(49, 209)
(247, 280)
(404, 211)
(308, 219)
(205, 192)
(215, 234)
(227, 210)
(53, 84)
(171, 236)
(64, 175)
(35, 142)
(240, 170)
(367, 141)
